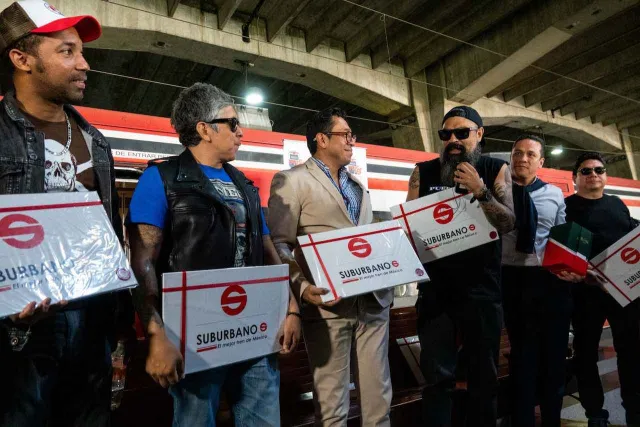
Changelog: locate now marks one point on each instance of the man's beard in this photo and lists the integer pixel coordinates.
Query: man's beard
(58, 94)
(449, 162)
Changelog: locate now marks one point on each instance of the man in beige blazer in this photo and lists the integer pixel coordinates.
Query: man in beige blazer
(321, 195)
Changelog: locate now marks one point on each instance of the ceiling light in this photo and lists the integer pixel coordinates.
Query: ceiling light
(254, 96)
(557, 151)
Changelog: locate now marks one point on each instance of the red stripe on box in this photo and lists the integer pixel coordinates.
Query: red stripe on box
(406, 222)
(225, 284)
(48, 207)
(431, 206)
(211, 347)
(350, 280)
(5, 288)
(337, 239)
(324, 269)
(183, 317)
(619, 249)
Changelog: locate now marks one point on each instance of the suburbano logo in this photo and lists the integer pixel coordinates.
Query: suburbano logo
(24, 232)
(630, 255)
(233, 302)
(21, 231)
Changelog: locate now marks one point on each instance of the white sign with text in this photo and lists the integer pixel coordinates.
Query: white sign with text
(357, 260)
(220, 317)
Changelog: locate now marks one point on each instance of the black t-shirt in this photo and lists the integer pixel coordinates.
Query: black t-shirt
(66, 169)
(479, 267)
(607, 218)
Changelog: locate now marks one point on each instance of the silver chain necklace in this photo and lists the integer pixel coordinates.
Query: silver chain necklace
(66, 148)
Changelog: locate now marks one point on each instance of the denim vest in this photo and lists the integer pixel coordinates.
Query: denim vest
(22, 157)
(22, 171)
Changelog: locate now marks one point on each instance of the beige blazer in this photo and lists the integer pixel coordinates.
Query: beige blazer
(304, 201)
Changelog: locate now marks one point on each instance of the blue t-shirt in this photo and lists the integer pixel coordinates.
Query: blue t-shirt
(149, 204)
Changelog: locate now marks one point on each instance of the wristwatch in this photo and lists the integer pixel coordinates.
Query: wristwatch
(485, 195)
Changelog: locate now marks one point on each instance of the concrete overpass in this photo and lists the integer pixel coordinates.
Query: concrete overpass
(565, 68)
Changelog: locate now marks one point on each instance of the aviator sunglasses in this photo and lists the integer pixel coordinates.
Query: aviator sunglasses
(460, 133)
(233, 122)
(598, 169)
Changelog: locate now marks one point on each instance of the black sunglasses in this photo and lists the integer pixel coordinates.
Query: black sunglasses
(598, 169)
(460, 133)
(233, 122)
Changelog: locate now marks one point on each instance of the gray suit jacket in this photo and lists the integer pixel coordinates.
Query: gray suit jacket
(304, 201)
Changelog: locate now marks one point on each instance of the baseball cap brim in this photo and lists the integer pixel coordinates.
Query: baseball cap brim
(88, 27)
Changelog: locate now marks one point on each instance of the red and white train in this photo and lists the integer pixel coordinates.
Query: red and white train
(135, 139)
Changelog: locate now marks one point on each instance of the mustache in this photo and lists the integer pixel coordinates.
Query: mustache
(455, 146)
(79, 77)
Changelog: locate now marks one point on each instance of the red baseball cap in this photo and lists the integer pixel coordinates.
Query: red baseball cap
(22, 18)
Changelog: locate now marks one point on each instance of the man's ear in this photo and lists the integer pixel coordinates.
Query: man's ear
(20, 60)
(204, 130)
(321, 139)
(541, 161)
(480, 133)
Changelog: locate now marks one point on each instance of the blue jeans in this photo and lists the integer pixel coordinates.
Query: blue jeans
(252, 387)
(62, 376)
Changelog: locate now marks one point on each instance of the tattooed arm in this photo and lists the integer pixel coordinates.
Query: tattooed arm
(499, 209)
(164, 361)
(414, 185)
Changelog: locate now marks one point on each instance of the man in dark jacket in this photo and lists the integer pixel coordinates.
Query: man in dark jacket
(56, 359)
(198, 212)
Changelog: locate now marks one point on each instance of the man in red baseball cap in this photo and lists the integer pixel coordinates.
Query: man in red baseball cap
(56, 365)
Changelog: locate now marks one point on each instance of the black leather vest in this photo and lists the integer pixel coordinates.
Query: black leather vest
(478, 267)
(200, 233)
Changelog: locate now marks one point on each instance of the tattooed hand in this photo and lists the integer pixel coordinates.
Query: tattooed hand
(499, 209)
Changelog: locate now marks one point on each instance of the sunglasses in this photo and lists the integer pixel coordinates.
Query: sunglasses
(587, 171)
(233, 122)
(460, 133)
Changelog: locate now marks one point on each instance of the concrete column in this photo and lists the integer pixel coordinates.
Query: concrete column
(420, 99)
(428, 97)
(437, 92)
(629, 143)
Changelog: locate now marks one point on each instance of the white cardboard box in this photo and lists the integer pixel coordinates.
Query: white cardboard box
(619, 265)
(58, 246)
(443, 224)
(220, 317)
(358, 260)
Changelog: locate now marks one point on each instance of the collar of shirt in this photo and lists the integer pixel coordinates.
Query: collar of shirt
(342, 172)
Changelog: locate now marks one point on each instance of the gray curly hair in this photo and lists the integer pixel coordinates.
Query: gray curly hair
(201, 102)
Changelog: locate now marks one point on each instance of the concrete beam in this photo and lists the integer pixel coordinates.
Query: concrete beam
(438, 19)
(582, 133)
(482, 18)
(574, 65)
(528, 36)
(596, 97)
(194, 36)
(281, 17)
(609, 117)
(580, 44)
(374, 26)
(629, 121)
(588, 74)
(225, 11)
(580, 93)
(172, 5)
(323, 25)
(613, 103)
